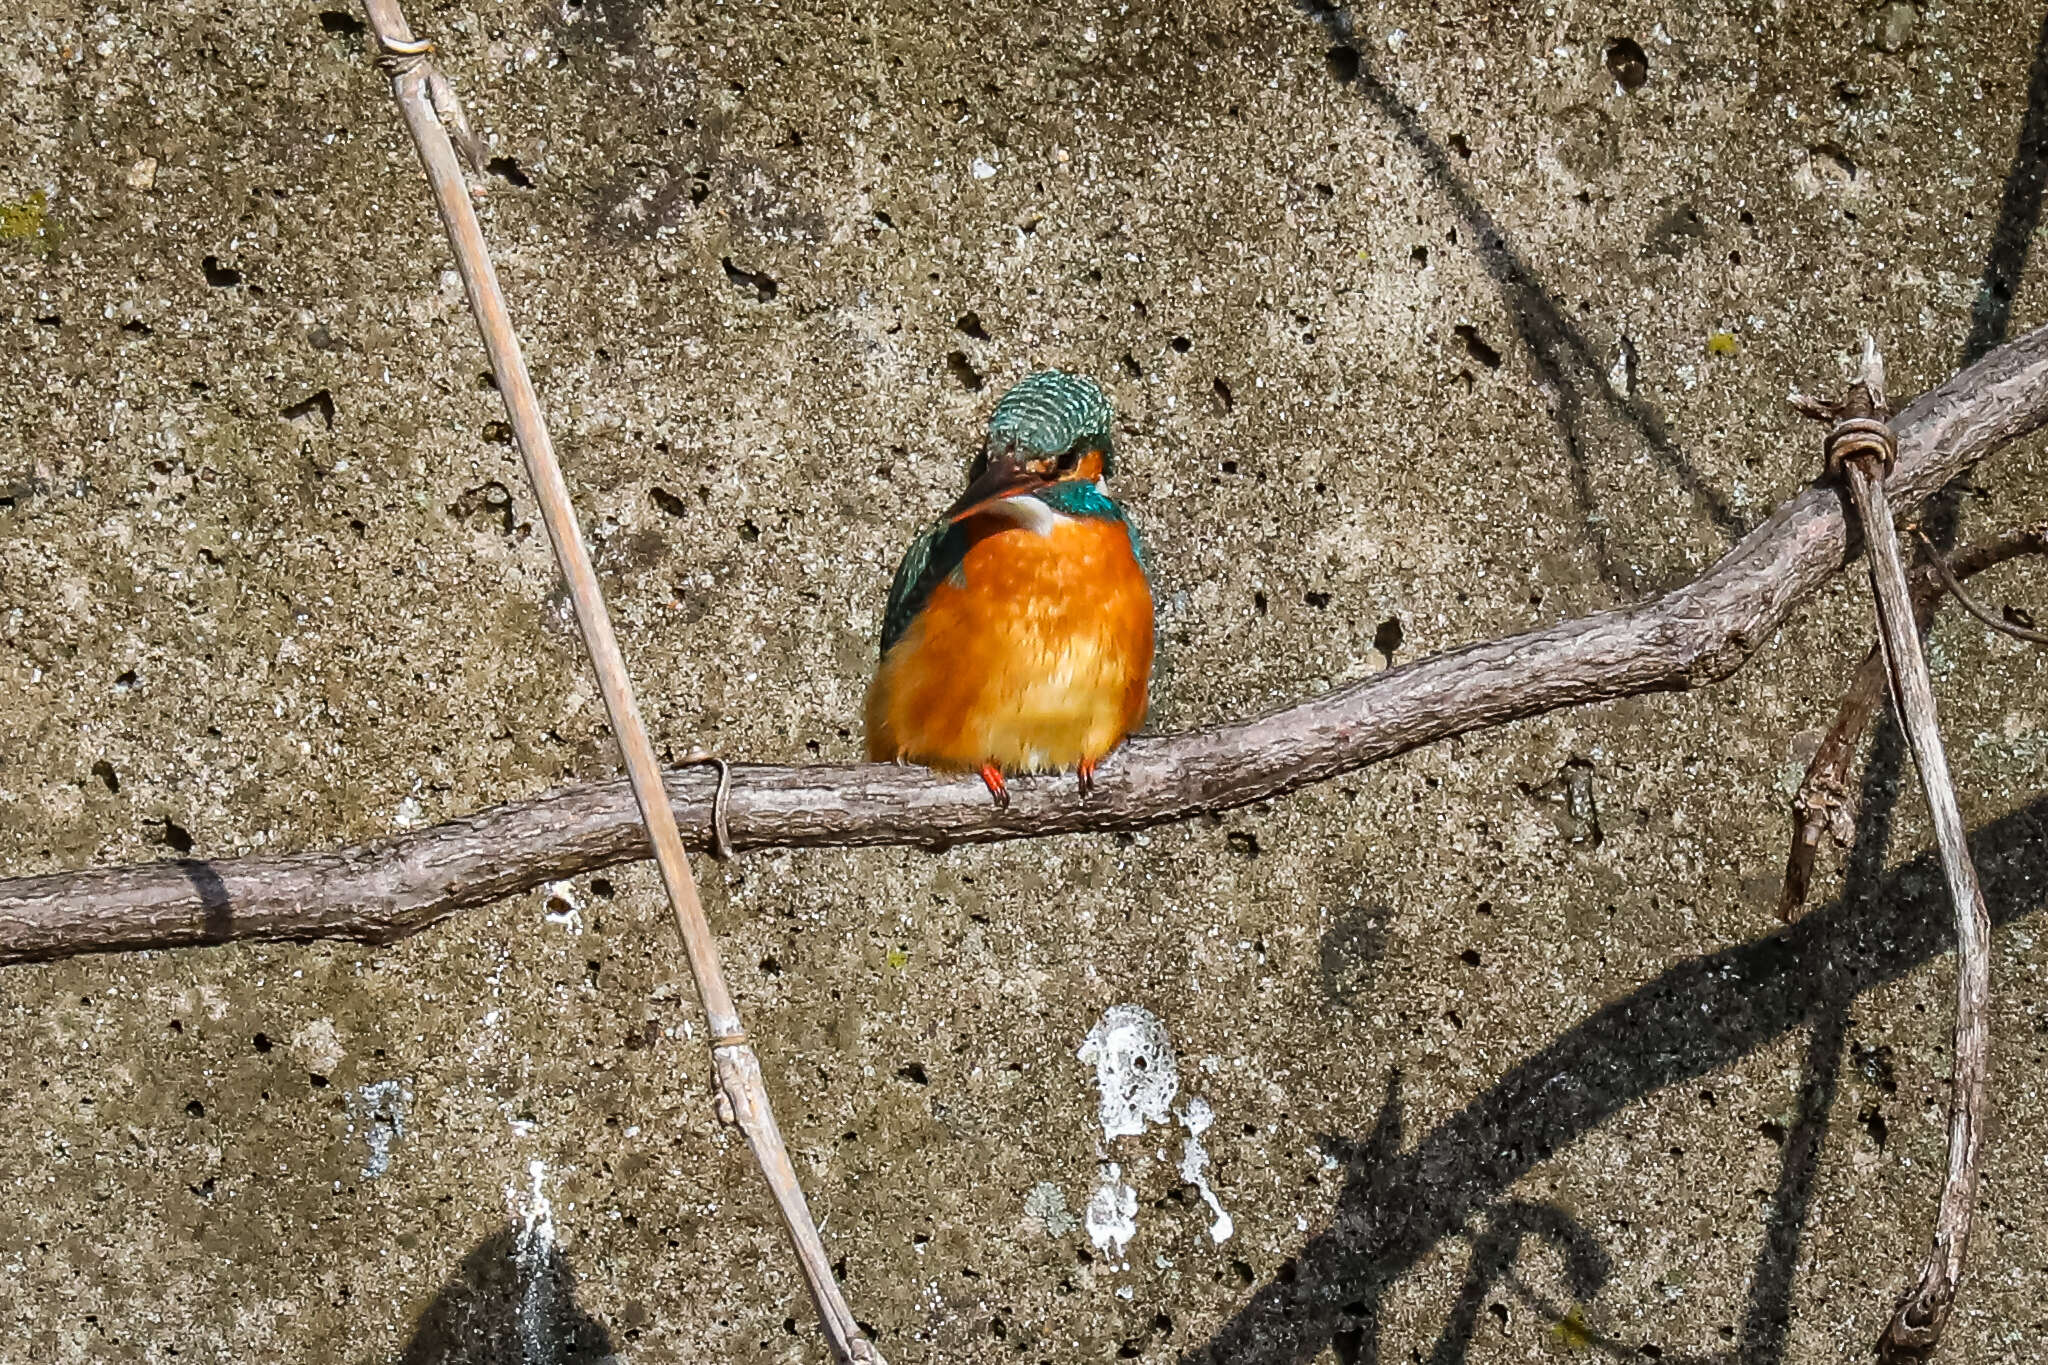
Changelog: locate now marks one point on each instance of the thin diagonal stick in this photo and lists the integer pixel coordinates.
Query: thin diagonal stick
(743, 1098)
(1971, 604)
(1863, 447)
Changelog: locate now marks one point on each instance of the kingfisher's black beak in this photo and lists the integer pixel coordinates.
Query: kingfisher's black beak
(1003, 477)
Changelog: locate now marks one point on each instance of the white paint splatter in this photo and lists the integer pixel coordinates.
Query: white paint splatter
(563, 906)
(1134, 1069)
(1112, 1215)
(1194, 1164)
(532, 1256)
(380, 1108)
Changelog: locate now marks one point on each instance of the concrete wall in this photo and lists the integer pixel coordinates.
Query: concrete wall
(1416, 315)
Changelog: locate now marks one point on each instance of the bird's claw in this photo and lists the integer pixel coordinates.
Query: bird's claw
(997, 788)
(1087, 778)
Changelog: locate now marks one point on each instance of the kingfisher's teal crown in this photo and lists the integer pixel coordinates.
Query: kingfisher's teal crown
(1051, 413)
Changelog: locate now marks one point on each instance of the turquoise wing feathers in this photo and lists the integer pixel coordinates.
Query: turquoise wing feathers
(937, 552)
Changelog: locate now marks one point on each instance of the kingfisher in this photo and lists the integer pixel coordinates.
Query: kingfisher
(1018, 635)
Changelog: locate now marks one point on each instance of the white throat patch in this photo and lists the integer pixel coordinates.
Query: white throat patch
(1028, 512)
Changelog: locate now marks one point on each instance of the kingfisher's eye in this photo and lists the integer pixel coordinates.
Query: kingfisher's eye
(1069, 460)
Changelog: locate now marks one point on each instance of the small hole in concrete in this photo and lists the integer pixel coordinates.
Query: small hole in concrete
(761, 283)
(1476, 346)
(315, 411)
(1386, 640)
(963, 371)
(1628, 63)
(507, 169)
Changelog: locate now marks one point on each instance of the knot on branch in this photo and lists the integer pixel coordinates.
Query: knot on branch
(402, 56)
(1862, 429)
(1916, 1326)
(1862, 438)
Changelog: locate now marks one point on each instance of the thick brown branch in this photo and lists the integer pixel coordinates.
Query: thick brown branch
(1696, 634)
(1824, 803)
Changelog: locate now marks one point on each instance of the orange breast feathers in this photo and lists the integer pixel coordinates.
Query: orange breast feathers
(1034, 657)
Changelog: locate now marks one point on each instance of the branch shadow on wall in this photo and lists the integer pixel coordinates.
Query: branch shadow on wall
(2019, 213)
(1695, 1018)
(509, 1304)
(1767, 1325)
(1700, 1016)
(1567, 369)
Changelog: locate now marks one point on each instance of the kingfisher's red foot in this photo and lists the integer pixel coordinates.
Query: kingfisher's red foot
(1087, 776)
(997, 788)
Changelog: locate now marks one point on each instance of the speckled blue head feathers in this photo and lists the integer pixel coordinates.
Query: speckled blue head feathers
(1050, 413)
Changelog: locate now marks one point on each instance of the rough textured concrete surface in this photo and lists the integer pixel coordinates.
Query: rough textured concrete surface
(1424, 322)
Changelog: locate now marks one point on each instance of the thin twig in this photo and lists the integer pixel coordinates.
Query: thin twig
(1692, 636)
(426, 98)
(1970, 604)
(1862, 447)
(1825, 802)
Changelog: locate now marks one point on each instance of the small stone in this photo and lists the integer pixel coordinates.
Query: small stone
(142, 175)
(1895, 25)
